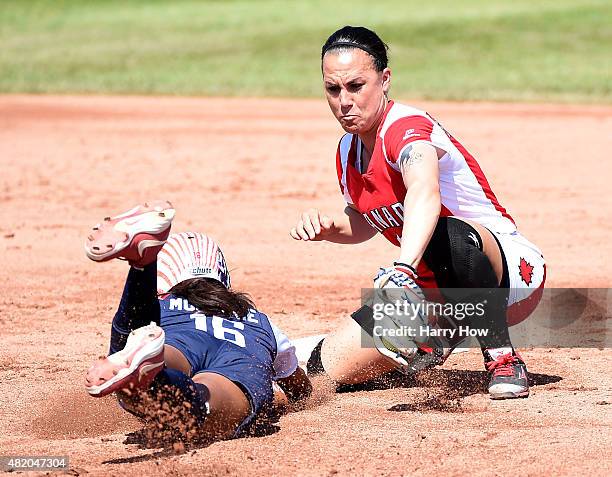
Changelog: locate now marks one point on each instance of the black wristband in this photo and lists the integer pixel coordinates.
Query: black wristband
(405, 265)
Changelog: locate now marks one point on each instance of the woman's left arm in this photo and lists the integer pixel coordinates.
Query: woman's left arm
(418, 164)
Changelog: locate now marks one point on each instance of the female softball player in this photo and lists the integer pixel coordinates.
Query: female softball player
(181, 331)
(403, 175)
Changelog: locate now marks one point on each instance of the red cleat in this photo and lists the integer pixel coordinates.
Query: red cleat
(136, 235)
(134, 367)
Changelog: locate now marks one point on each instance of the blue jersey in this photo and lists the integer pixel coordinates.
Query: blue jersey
(201, 337)
(241, 350)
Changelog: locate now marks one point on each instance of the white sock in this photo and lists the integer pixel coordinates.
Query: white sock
(304, 348)
(498, 352)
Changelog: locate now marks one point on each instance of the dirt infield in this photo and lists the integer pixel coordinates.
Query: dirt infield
(241, 170)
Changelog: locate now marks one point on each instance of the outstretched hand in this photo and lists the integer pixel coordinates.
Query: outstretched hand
(313, 226)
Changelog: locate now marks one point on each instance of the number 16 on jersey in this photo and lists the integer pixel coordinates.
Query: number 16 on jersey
(222, 329)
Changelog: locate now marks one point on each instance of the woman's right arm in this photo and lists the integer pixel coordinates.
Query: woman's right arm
(296, 387)
(349, 229)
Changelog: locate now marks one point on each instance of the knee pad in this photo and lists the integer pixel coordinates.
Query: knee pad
(472, 267)
(456, 257)
(458, 261)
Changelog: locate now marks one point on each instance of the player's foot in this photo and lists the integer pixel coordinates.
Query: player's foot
(428, 358)
(134, 367)
(438, 350)
(508, 376)
(436, 356)
(136, 235)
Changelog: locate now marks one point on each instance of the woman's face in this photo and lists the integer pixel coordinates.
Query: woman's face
(355, 91)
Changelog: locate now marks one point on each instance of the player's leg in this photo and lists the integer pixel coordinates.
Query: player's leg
(525, 273)
(348, 356)
(228, 406)
(234, 398)
(138, 306)
(489, 246)
(144, 390)
(222, 399)
(136, 347)
(136, 236)
(467, 256)
(464, 256)
(212, 404)
(208, 406)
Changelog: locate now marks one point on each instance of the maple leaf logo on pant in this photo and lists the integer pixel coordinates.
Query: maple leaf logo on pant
(526, 271)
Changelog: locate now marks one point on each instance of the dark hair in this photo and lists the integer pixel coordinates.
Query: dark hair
(212, 298)
(358, 37)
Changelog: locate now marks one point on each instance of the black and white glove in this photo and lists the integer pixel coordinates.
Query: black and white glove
(400, 275)
(397, 285)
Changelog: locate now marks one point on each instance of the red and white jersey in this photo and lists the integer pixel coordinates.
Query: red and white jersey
(379, 193)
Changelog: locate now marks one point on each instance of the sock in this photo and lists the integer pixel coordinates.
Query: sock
(496, 353)
(138, 307)
(314, 365)
(305, 346)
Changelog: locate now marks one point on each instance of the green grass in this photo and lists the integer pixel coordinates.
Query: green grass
(556, 50)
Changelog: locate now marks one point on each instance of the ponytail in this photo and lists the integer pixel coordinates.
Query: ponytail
(212, 298)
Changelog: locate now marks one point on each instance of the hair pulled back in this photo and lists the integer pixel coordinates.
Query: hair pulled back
(358, 37)
(212, 298)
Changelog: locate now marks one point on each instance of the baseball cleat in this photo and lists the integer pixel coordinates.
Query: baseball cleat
(508, 376)
(134, 367)
(430, 358)
(136, 235)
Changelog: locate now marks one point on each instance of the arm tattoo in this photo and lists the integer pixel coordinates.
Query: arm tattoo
(410, 157)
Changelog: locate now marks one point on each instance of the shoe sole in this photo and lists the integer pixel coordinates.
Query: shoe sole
(115, 234)
(509, 395)
(140, 373)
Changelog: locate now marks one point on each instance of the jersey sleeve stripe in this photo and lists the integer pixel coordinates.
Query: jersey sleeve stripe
(482, 181)
(445, 212)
